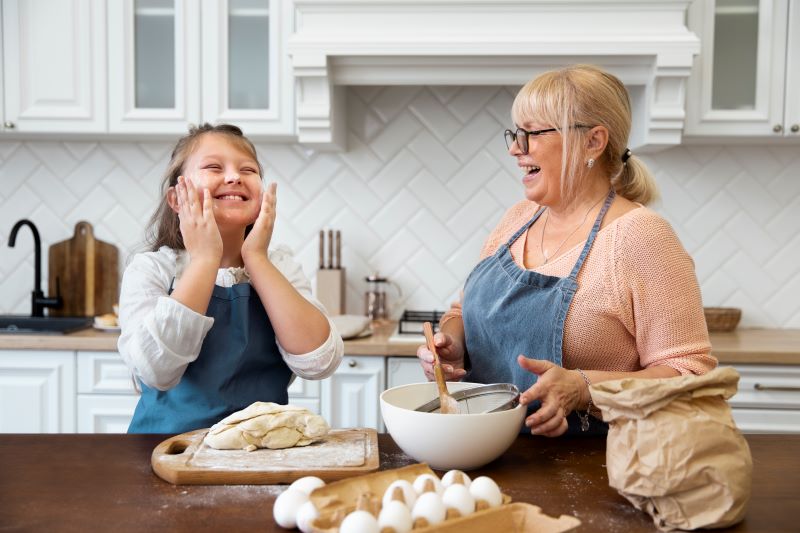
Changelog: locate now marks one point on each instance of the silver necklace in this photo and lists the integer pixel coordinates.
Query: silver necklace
(544, 228)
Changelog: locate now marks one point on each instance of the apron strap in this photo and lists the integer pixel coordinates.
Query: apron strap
(524, 228)
(592, 234)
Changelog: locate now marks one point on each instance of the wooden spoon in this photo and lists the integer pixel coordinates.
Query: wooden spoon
(448, 404)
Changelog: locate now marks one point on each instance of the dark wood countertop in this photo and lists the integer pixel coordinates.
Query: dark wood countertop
(104, 482)
(743, 346)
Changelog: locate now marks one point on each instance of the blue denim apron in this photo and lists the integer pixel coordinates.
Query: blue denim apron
(239, 363)
(509, 311)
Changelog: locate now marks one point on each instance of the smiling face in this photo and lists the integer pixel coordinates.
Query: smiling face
(230, 173)
(541, 167)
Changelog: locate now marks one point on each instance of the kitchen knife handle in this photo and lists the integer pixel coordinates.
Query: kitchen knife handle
(330, 248)
(321, 249)
(338, 249)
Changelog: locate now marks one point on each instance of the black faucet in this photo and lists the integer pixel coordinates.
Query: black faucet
(38, 300)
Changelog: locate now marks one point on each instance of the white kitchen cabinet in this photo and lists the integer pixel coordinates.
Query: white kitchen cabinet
(107, 396)
(768, 399)
(179, 62)
(154, 65)
(247, 77)
(305, 393)
(403, 371)
(349, 398)
(54, 66)
(746, 79)
(37, 391)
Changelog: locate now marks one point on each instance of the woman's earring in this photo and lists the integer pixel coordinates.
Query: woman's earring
(590, 163)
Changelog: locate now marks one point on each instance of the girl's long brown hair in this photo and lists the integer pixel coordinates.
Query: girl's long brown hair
(164, 226)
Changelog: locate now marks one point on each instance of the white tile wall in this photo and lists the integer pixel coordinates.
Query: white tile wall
(425, 178)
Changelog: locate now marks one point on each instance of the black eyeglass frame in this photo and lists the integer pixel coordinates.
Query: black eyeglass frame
(521, 136)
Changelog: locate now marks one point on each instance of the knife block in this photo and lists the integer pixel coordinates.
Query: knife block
(331, 289)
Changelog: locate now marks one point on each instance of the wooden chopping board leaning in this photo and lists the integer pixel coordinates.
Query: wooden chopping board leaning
(86, 273)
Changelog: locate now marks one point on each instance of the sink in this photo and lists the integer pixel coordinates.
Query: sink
(48, 325)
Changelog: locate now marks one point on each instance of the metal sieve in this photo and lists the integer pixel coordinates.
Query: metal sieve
(481, 399)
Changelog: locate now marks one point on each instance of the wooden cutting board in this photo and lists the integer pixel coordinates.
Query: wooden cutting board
(87, 271)
(186, 460)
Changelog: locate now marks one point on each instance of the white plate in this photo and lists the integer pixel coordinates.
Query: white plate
(102, 327)
(106, 328)
(366, 333)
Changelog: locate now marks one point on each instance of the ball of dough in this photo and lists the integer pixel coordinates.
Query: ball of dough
(286, 506)
(359, 522)
(307, 484)
(396, 515)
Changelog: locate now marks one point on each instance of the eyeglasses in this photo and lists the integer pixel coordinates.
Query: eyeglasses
(521, 136)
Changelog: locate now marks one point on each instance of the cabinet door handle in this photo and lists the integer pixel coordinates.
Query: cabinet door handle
(352, 363)
(759, 386)
(8, 125)
(777, 128)
(795, 128)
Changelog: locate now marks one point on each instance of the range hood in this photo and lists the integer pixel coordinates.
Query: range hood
(337, 43)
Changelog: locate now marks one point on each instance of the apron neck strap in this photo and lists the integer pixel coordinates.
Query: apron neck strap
(592, 234)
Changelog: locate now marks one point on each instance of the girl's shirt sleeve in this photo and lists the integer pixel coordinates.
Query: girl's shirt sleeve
(159, 336)
(323, 361)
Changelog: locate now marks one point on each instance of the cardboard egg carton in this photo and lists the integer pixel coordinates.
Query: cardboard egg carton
(336, 500)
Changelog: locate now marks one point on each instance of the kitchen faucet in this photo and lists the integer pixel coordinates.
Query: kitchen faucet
(38, 300)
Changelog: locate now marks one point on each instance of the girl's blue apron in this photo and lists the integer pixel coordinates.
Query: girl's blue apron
(510, 311)
(239, 364)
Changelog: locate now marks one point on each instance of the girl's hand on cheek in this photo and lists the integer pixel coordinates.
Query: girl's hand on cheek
(198, 226)
(257, 242)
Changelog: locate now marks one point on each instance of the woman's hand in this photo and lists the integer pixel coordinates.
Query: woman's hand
(257, 241)
(451, 357)
(561, 391)
(199, 230)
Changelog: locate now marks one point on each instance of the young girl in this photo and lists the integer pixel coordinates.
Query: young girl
(211, 321)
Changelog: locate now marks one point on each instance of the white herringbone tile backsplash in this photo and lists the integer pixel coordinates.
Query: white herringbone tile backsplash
(425, 178)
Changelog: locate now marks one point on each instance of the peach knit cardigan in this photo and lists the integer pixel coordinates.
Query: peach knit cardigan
(638, 301)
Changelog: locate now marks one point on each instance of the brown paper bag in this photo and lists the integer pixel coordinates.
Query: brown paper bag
(674, 450)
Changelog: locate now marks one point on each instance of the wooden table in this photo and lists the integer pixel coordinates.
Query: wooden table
(104, 483)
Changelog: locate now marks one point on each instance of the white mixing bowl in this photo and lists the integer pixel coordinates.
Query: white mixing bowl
(446, 442)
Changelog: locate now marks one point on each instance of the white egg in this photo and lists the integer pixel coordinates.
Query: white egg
(450, 477)
(458, 497)
(306, 514)
(307, 484)
(395, 515)
(484, 488)
(430, 507)
(409, 494)
(359, 522)
(286, 505)
(420, 482)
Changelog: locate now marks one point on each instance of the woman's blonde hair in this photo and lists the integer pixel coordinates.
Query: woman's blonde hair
(164, 226)
(588, 96)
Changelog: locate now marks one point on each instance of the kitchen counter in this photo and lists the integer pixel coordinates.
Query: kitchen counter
(98, 482)
(743, 346)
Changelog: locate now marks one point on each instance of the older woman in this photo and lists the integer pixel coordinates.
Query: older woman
(579, 282)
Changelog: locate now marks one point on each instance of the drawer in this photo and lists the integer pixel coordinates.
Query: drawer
(103, 373)
(767, 420)
(768, 387)
(98, 413)
(304, 388)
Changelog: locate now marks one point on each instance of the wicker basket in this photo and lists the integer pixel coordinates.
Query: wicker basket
(722, 318)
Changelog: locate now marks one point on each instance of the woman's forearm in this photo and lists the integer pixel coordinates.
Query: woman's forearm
(299, 326)
(597, 376)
